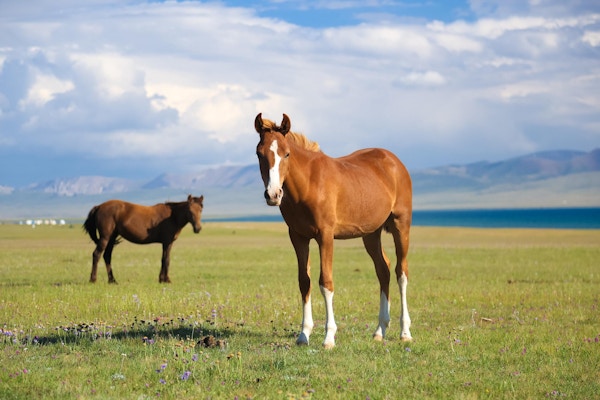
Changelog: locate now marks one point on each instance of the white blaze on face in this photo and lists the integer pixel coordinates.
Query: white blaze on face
(274, 180)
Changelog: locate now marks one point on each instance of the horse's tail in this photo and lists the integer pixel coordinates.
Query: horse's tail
(90, 225)
(387, 225)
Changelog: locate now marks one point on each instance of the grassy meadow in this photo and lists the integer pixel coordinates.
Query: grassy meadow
(497, 314)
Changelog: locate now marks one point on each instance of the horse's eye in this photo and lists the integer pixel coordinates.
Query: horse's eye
(287, 155)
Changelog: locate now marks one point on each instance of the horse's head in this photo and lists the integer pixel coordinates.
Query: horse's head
(195, 206)
(273, 152)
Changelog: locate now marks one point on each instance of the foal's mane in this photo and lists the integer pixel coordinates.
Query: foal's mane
(297, 138)
(174, 203)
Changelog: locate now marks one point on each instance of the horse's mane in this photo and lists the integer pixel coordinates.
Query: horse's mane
(303, 141)
(297, 138)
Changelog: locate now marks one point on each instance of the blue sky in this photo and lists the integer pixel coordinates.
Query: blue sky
(323, 14)
(137, 88)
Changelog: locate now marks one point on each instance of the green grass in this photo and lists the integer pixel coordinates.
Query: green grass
(496, 314)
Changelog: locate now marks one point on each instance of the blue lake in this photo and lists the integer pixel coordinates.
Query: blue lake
(556, 218)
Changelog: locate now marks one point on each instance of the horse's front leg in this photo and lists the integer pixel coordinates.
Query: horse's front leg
(164, 265)
(301, 246)
(108, 258)
(326, 286)
(96, 257)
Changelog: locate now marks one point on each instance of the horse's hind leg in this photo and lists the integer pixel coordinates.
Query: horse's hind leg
(372, 243)
(108, 257)
(400, 230)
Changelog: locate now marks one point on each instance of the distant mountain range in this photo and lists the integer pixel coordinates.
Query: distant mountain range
(561, 178)
(545, 179)
(529, 168)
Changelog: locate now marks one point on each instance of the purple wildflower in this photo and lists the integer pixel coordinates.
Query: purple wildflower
(162, 368)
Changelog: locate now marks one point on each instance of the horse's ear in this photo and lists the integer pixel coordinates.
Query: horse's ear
(285, 125)
(258, 123)
(201, 199)
(190, 198)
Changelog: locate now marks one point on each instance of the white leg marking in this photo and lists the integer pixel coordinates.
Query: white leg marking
(274, 185)
(307, 323)
(404, 317)
(384, 317)
(330, 326)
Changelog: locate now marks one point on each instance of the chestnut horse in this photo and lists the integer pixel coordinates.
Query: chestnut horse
(140, 224)
(326, 198)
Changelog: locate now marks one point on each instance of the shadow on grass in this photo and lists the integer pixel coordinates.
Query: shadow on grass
(205, 334)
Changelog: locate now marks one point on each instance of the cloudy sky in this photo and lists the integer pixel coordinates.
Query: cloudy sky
(140, 87)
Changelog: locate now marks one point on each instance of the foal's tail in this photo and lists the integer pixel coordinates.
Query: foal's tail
(90, 224)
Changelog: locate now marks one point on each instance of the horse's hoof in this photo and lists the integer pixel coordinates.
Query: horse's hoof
(378, 338)
(328, 345)
(302, 340)
(406, 338)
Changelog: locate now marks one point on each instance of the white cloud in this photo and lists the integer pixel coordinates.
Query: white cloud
(114, 74)
(458, 43)
(45, 88)
(427, 78)
(522, 89)
(592, 38)
(379, 40)
(494, 28)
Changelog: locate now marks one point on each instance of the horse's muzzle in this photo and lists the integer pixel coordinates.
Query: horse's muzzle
(197, 229)
(274, 200)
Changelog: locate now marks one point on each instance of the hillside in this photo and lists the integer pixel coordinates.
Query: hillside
(546, 179)
(529, 168)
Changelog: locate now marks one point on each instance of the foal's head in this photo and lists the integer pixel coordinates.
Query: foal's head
(273, 152)
(194, 211)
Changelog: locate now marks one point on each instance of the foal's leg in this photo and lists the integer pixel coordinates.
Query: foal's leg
(301, 246)
(108, 257)
(326, 285)
(400, 230)
(164, 265)
(100, 246)
(372, 243)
